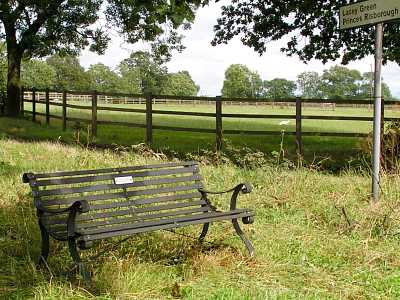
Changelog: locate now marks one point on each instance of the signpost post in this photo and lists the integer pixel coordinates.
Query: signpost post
(362, 14)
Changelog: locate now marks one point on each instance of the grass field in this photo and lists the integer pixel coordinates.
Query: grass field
(315, 234)
(337, 149)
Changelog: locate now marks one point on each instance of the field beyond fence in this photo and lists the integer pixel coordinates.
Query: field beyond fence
(208, 120)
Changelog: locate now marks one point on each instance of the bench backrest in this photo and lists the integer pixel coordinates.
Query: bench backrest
(118, 195)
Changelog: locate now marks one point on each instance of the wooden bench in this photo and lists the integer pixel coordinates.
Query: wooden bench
(86, 206)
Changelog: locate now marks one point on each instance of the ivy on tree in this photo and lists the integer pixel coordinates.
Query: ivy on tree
(37, 28)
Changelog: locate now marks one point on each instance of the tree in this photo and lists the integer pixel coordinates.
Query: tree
(3, 67)
(102, 78)
(70, 75)
(241, 82)
(38, 74)
(366, 90)
(312, 28)
(144, 69)
(341, 83)
(38, 28)
(179, 84)
(279, 88)
(310, 85)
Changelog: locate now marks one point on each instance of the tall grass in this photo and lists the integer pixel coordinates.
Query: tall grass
(316, 236)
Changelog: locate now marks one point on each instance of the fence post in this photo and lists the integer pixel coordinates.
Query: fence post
(22, 101)
(33, 105)
(47, 107)
(149, 119)
(94, 116)
(299, 139)
(218, 122)
(64, 111)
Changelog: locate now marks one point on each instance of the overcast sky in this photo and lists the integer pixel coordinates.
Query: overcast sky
(207, 64)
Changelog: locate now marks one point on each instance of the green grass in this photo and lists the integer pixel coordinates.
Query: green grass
(305, 247)
(338, 149)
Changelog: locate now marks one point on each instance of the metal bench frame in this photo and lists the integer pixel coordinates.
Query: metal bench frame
(77, 240)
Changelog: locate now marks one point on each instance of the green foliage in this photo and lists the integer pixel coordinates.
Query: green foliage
(145, 70)
(39, 28)
(179, 84)
(310, 85)
(339, 82)
(38, 74)
(279, 88)
(102, 78)
(70, 75)
(241, 82)
(312, 28)
(367, 87)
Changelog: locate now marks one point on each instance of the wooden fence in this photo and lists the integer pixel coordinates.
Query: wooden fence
(92, 99)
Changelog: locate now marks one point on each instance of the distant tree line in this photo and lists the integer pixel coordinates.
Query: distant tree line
(337, 82)
(141, 72)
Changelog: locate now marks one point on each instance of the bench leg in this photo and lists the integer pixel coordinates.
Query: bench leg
(247, 242)
(45, 244)
(203, 234)
(73, 250)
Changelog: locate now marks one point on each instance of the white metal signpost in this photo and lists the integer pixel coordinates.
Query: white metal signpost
(368, 13)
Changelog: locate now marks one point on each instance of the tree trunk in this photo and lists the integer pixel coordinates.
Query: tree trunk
(13, 107)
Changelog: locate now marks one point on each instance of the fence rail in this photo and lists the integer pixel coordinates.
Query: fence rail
(96, 101)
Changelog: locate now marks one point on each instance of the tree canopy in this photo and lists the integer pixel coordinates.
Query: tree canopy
(279, 88)
(103, 79)
(309, 85)
(241, 82)
(38, 74)
(310, 26)
(341, 83)
(38, 28)
(179, 84)
(70, 75)
(148, 70)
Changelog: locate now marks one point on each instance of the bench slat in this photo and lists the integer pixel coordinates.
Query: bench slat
(114, 213)
(124, 212)
(113, 186)
(152, 200)
(166, 224)
(113, 170)
(110, 196)
(72, 180)
(141, 218)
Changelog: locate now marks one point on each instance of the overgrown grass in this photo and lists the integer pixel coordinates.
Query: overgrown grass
(316, 236)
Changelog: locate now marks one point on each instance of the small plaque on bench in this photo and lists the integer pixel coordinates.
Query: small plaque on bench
(123, 180)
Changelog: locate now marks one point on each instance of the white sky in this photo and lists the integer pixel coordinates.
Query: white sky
(207, 64)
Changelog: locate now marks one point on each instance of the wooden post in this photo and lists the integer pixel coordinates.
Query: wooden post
(149, 119)
(64, 111)
(33, 105)
(299, 140)
(22, 101)
(94, 116)
(218, 123)
(47, 107)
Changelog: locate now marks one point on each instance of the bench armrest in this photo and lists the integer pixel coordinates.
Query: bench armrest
(81, 206)
(244, 187)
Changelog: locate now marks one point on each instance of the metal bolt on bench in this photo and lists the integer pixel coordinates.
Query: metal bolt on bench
(81, 207)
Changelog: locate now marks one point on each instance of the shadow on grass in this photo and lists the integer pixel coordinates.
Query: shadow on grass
(333, 153)
(21, 277)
